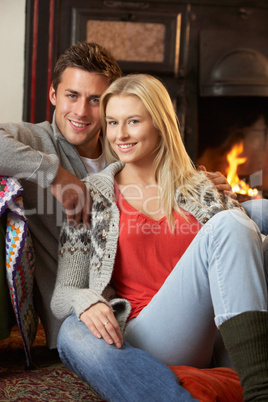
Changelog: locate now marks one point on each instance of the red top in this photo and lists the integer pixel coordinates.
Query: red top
(147, 252)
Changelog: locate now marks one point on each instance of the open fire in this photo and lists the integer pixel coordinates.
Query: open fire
(239, 186)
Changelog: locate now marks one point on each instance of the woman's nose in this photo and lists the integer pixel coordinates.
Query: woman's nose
(122, 132)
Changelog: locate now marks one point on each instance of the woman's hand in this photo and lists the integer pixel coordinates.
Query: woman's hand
(101, 321)
(219, 181)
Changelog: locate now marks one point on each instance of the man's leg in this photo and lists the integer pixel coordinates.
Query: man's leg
(257, 210)
(265, 255)
(119, 375)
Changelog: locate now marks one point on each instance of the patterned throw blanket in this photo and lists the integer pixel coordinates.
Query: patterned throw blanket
(19, 261)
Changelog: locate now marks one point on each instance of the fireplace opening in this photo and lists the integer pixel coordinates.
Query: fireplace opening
(233, 103)
(227, 121)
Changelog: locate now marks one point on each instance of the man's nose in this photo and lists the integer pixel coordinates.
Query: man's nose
(82, 108)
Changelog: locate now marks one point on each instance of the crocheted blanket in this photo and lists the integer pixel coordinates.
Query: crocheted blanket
(19, 261)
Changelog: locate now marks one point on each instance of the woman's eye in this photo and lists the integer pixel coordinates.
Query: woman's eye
(133, 121)
(112, 123)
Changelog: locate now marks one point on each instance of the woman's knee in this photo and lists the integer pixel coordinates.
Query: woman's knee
(67, 335)
(236, 223)
(75, 341)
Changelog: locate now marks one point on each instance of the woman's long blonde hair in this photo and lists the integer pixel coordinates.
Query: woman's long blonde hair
(173, 167)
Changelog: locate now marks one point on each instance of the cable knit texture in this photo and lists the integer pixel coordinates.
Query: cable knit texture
(87, 255)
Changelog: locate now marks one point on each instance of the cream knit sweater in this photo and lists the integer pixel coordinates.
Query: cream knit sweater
(87, 255)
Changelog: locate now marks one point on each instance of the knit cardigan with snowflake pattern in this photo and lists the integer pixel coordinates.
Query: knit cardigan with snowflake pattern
(87, 255)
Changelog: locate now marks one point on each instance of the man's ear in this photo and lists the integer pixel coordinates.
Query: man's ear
(52, 95)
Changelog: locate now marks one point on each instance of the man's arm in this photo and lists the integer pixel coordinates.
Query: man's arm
(219, 181)
(73, 195)
(22, 156)
(27, 152)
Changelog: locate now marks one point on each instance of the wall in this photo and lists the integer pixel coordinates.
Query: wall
(12, 28)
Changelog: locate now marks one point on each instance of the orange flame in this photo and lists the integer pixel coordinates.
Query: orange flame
(238, 186)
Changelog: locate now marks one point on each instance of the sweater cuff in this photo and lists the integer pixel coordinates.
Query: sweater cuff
(84, 300)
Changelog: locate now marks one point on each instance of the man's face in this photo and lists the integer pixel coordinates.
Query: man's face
(77, 108)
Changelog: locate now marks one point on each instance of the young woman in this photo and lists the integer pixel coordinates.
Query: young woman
(167, 264)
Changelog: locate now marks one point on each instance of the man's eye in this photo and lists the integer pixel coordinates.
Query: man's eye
(95, 100)
(71, 96)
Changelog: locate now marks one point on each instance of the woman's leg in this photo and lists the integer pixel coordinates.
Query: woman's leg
(220, 276)
(119, 375)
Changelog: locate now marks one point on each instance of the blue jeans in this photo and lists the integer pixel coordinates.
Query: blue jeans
(257, 210)
(219, 276)
(119, 375)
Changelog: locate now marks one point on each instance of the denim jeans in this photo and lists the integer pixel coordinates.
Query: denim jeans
(219, 276)
(119, 375)
(257, 210)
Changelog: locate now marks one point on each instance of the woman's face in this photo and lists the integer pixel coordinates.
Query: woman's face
(130, 130)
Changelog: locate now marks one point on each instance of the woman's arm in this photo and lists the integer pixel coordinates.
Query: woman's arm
(72, 294)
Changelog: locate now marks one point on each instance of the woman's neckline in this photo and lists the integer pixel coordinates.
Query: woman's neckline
(135, 211)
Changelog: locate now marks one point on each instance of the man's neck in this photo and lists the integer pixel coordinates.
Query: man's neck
(91, 150)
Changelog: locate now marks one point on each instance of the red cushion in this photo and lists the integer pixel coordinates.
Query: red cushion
(208, 385)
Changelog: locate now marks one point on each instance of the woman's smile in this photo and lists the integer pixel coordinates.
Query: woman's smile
(126, 147)
(130, 130)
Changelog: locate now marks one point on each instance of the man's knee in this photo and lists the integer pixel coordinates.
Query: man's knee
(257, 210)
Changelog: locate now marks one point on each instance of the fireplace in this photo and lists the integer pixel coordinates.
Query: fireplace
(227, 121)
(233, 104)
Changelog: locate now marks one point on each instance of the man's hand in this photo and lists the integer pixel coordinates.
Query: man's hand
(73, 195)
(101, 321)
(219, 181)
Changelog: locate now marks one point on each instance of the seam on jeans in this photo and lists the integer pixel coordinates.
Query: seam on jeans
(219, 278)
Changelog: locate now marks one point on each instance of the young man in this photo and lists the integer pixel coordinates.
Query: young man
(50, 160)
